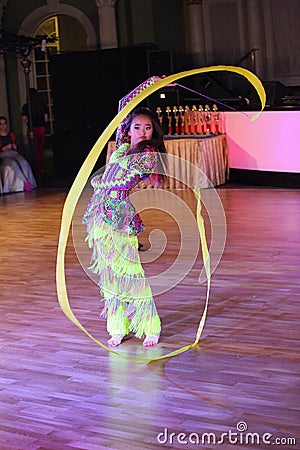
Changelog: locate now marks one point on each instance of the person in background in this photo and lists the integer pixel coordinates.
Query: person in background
(36, 112)
(113, 225)
(19, 176)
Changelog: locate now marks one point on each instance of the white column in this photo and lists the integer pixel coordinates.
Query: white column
(196, 32)
(107, 23)
(255, 35)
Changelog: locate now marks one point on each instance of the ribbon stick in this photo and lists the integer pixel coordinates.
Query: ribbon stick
(83, 175)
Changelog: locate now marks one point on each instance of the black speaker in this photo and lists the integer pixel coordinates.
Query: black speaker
(87, 86)
(86, 89)
(160, 62)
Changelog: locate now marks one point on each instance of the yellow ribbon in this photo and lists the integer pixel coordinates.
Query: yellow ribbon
(83, 175)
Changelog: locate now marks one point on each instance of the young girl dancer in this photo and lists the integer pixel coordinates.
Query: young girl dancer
(113, 227)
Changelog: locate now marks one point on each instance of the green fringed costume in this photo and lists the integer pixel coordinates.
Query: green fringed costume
(112, 229)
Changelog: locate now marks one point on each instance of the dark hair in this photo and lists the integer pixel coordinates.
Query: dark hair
(3, 118)
(158, 134)
(36, 102)
(157, 140)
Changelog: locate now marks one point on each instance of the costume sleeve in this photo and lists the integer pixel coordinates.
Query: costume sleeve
(118, 154)
(130, 171)
(96, 181)
(139, 167)
(120, 135)
(144, 163)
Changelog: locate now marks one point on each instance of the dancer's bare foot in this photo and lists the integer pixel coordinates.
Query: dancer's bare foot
(115, 340)
(150, 341)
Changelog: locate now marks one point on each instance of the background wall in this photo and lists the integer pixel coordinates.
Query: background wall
(282, 36)
(155, 21)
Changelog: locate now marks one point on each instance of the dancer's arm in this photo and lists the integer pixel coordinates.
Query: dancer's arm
(120, 135)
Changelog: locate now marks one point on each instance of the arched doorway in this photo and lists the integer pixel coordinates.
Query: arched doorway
(74, 32)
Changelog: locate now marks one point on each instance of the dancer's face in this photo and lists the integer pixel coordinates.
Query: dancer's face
(3, 126)
(141, 129)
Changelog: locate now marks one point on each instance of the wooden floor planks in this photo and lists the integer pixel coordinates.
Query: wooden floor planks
(59, 390)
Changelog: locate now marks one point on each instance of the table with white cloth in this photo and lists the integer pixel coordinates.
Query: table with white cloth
(207, 155)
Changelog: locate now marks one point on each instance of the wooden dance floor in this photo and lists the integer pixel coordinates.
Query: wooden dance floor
(238, 389)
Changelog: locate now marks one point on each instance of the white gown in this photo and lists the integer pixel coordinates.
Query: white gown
(15, 172)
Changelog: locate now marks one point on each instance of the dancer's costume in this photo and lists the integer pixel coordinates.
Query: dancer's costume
(112, 229)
